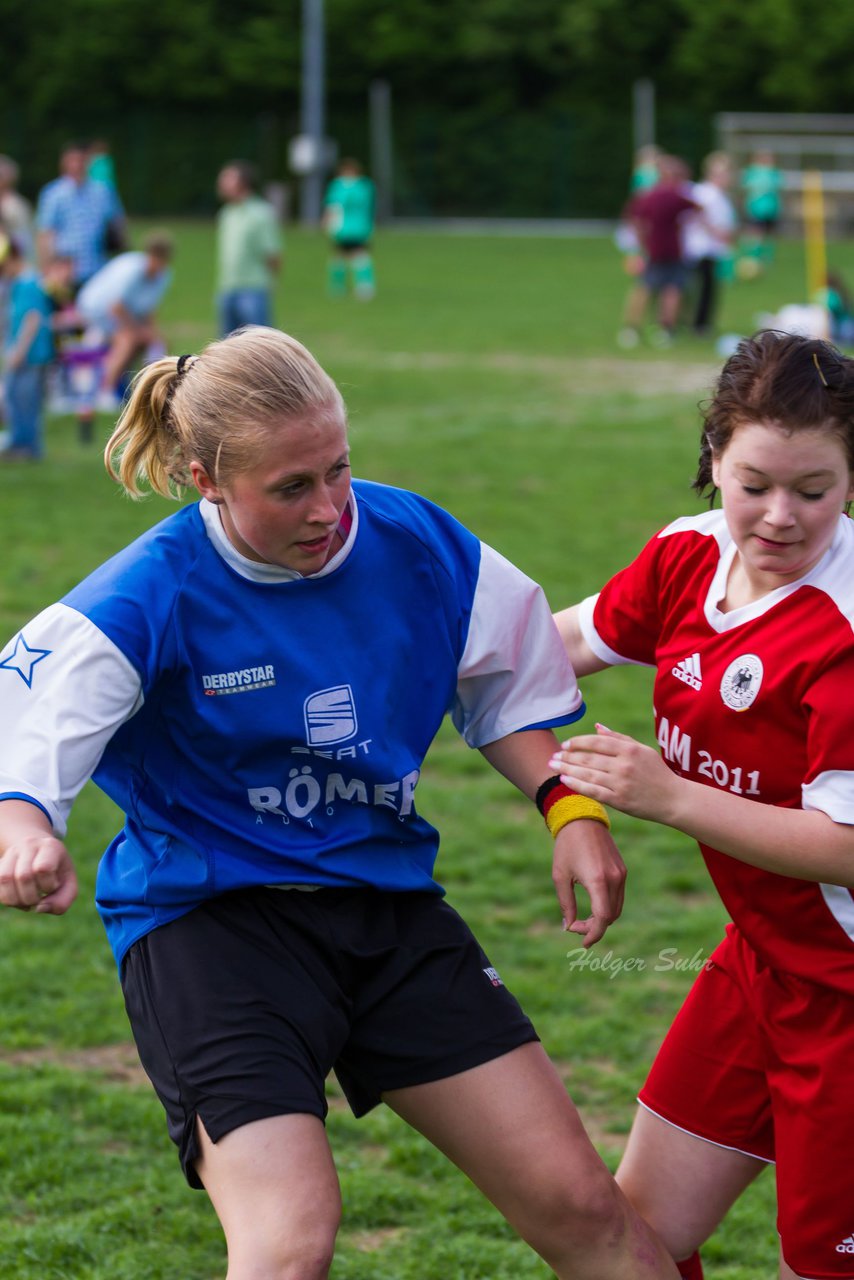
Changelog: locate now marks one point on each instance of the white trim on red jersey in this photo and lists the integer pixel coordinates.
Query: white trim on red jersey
(841, 906)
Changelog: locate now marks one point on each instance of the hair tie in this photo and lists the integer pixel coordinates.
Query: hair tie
(183, 366)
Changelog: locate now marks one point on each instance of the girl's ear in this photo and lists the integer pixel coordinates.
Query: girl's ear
(205, 485)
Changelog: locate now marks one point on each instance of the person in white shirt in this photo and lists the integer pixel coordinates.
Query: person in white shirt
(117, 307)
(709, 236)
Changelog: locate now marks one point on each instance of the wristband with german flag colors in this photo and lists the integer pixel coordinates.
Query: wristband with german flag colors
(559, 805)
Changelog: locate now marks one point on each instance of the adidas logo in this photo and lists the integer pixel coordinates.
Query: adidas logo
(847, 1245)
(688, 671)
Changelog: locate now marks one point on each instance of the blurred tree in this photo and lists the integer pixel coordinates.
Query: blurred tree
(768, 55)
(727, 55)
(177, 86)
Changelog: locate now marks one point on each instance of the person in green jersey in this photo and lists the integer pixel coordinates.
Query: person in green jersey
(349, 221)
(762, 185)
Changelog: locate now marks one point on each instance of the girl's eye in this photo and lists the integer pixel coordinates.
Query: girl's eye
(753, 492)
(812, 497)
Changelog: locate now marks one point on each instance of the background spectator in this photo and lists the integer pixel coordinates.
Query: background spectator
(76, 215)
(101, 332)
(16, 213)
(118, 305)
(709, 236)
(100, 166)
(28, 353)
(249, 250)
(657, 216)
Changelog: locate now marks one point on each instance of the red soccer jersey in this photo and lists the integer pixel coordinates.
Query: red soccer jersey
(757, 701)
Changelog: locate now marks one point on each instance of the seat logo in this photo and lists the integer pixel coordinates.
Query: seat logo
(330, 716)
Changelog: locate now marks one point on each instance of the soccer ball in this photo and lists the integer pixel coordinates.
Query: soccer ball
(748, 268)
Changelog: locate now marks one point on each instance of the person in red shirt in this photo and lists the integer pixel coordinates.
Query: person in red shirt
(747, 616)
(656, 216)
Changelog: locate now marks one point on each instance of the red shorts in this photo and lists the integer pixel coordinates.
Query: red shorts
(761, 1061)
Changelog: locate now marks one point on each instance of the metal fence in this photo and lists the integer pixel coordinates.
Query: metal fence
(558, 163)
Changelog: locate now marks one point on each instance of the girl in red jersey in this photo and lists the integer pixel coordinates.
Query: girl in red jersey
(747, 615)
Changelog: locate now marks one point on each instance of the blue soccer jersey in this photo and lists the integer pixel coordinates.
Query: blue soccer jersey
(259, 727)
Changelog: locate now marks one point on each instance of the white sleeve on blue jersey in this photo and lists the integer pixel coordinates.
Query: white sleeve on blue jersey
(514, 673)
(65, 689)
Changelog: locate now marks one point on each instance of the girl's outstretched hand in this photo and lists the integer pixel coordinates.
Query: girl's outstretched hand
(618, 771)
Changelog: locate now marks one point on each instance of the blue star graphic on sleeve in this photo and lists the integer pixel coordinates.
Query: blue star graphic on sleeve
(22, 659)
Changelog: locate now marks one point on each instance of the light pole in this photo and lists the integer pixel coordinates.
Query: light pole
(312, 113)
(381, 151)
(643, 114)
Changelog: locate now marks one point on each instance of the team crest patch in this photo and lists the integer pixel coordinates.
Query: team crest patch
(742, 681)
(493, 976)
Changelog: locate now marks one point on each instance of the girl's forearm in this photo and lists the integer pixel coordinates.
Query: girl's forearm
(803, 843)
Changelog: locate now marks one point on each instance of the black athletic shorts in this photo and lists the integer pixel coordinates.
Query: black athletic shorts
(241, 1008)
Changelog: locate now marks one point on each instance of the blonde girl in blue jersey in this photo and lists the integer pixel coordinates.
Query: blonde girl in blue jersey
(256, 681)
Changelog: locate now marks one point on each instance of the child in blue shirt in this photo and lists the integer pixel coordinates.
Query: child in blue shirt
(28, 354)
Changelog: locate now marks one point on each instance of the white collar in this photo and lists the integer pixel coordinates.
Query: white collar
(258, 571)
(832, 568)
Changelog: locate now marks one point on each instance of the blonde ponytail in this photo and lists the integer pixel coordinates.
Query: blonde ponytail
(145, 447)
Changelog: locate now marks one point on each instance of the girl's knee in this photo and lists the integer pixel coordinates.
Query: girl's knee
(572, 1211)
(277, 1243)
(596, 1205)
(299, 1255)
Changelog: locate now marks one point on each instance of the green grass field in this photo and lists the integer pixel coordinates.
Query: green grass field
(484, 375)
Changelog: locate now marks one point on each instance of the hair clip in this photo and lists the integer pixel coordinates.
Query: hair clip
(832, 374)
(183, 364)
